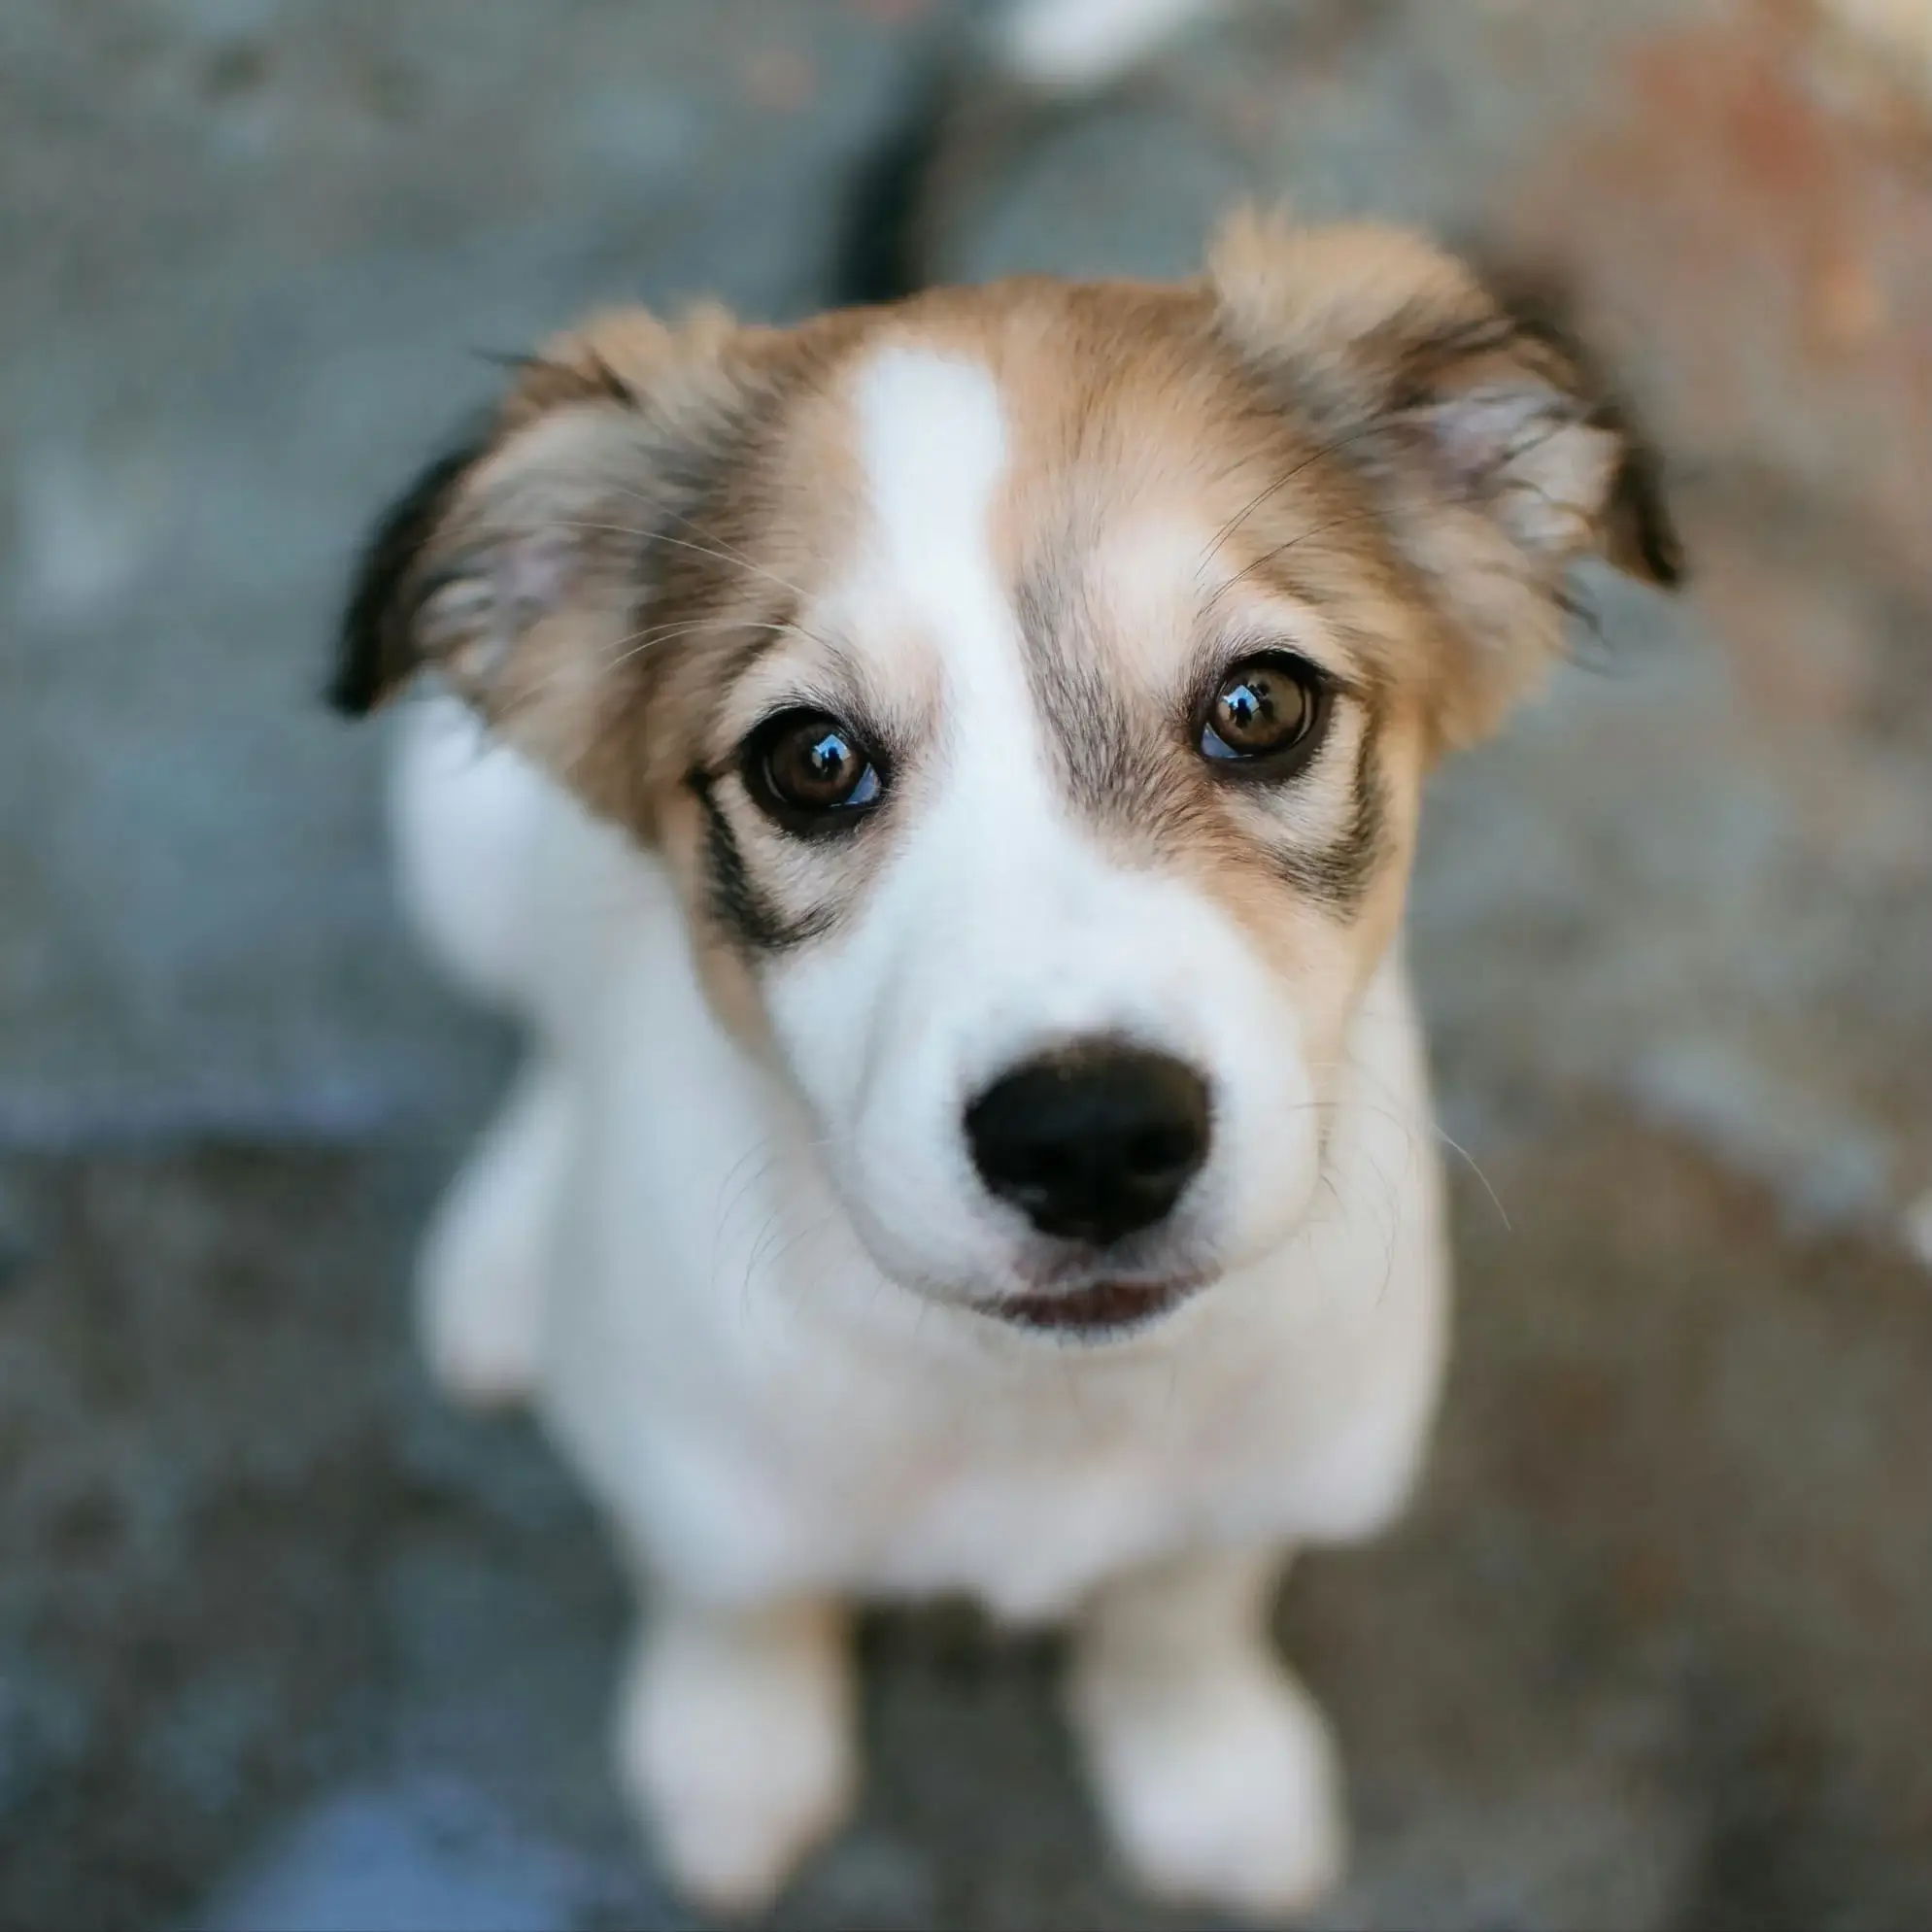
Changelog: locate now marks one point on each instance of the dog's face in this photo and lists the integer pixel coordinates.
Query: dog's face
(1032, 690)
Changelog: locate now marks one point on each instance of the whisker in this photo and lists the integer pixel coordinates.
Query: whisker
(1321, 453)
(719, 546)
(734, 559)
(1392, 1113)
(647, 535)
(1281, 550)
(691, 524)
(1456, 1147)
(641, 641)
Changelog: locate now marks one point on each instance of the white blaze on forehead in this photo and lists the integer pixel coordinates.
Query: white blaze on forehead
(933, 448)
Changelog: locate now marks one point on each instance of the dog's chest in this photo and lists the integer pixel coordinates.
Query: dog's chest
(835, 1460)
(1030, 1543)
(1028, 1525)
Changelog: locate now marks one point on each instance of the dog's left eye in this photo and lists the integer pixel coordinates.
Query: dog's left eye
(1266, 714)
(809, 771)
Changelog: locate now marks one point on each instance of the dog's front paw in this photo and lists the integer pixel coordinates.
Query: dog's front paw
(1220, 1786)
(735, 1744)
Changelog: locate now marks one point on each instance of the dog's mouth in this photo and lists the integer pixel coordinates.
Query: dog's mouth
(1101, 1308)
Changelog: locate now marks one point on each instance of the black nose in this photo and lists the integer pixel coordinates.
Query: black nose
(1092, 1144)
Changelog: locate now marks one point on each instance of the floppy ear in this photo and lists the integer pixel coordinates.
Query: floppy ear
(1635, 531)
(517, 566)
(1490, 447)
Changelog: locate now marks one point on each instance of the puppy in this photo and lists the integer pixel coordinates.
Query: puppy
(937, 785)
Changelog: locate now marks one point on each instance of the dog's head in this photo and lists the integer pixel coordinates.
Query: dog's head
(1030, 689)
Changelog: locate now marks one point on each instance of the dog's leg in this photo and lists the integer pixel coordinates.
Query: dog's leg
(480, 1281)
(735, 1741)
(1213, 1767)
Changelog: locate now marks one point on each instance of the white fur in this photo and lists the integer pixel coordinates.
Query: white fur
(740, 1295)
(734, 1737)
(1216, 1767)
(1084, 43)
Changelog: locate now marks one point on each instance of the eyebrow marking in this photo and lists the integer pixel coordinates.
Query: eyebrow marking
(735, 897)
(1091, 732)
(1338, 876)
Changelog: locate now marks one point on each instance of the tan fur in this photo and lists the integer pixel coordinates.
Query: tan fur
(1369, 459)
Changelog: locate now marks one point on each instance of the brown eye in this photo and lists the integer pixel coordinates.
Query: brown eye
(1265, 713)
(809, 771)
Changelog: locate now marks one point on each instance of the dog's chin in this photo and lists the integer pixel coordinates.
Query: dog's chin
(1097, 1311)
(1052, 1290)
(1088, 1303)
(1059, 1292)
(1080, 1306)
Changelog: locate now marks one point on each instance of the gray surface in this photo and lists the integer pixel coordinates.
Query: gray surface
(282, 1644)
(429, 1856)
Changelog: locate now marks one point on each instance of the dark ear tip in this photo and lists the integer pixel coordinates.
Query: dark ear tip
(374, 653)
(1641, 538)
(362, 675)
(1644, 541)
(350, 691)
(1669, 565)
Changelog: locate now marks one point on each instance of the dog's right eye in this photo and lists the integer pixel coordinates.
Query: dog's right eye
(810, 772)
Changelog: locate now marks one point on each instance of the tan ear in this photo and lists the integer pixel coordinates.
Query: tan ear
(1486, 437)
(517, 564)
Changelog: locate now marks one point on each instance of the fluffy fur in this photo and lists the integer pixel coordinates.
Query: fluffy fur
(726, 1236)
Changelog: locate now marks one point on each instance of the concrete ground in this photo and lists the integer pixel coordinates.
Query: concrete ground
(282, 1644)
